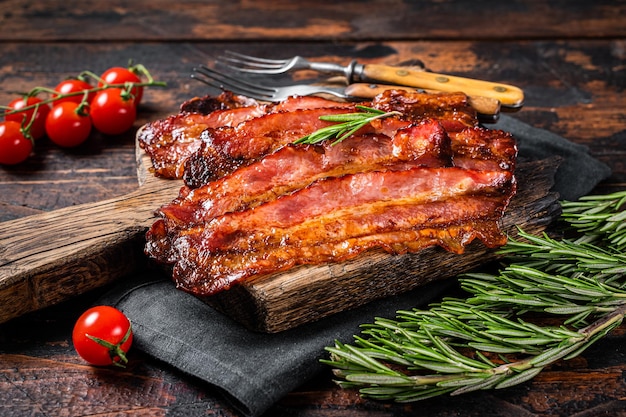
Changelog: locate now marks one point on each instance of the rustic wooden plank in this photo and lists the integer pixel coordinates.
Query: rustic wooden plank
(54, 256)
(242, 20)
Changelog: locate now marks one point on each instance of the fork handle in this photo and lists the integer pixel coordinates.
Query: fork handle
(507, 95)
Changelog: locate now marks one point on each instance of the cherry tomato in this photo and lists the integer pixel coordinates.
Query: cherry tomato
(102, 335)
(67, 125)
(37, 129)
(14, 146)
(119, 75)
(70, 86)
(111, 113)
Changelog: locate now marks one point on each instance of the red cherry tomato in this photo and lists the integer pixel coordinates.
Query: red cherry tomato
(37, 129)
(73, 86)
(119, 75)
(111, 113)
(67, 125)
(102, 336)
(14, 146)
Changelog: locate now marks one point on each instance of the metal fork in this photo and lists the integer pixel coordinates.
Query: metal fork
(488, 109)
(255, 65)
(259, 91)
(509, 96)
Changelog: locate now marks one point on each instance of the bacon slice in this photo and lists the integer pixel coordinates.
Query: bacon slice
(338, 218)
(293, 167)
(483, 149)
(171, 141)
(227, 148)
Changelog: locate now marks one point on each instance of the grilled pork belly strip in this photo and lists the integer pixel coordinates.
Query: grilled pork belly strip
(170, 141)
(293, 167)
(225, 149)
(224, 270)
(451, 109)
(292, 218)
(483, 149)
(205, 273)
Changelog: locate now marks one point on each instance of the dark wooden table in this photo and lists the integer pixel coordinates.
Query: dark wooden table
(568, 56)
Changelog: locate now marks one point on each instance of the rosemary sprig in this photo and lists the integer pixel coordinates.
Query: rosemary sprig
(347, 124)
(488, 340)
(599, 217)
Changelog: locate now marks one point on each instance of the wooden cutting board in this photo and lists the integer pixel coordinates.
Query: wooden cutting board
(51, 257)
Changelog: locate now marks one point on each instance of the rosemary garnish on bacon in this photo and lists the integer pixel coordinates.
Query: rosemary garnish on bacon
(347, 124)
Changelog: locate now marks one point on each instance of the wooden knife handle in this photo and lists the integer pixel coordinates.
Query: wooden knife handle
(50, 257)
(507, 95)
(483, 105)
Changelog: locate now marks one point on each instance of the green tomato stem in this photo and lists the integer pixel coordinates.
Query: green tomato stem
(115, 350)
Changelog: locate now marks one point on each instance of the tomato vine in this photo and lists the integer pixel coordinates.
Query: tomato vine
(107, 103)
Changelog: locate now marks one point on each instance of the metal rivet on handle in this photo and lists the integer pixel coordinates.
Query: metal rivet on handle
(499, 89)
(402, 72)
(441, 79)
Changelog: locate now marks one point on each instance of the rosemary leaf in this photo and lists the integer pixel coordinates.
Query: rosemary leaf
(424, 394)
(490, 382)
(386, 380)
(519, 378)
(347, 125)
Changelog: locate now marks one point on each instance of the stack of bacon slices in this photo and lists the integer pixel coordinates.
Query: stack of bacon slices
(254, 203)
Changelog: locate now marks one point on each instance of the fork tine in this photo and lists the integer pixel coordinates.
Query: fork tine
(256, 65)
(236, 85)
(252, 60)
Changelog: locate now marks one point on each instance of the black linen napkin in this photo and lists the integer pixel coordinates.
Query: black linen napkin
(579, 172)
(256, 370)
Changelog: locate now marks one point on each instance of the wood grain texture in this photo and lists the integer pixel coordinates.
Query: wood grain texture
(246, 20)
(51, 257)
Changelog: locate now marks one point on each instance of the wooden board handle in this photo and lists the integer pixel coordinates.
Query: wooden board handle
(507, 95)
(50, 257)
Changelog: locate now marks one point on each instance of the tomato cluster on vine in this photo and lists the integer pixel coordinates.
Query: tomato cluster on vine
(69, 112)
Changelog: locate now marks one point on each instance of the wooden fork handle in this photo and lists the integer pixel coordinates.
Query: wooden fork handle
(507, 95)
